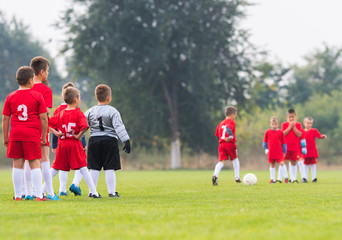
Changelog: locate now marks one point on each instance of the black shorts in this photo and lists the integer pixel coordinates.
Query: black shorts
(103, 152)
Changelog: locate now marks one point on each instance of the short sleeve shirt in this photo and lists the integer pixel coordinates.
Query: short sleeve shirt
(292, 141)
(310, 137)
(221, 130)
(45, 91)
(275, 140)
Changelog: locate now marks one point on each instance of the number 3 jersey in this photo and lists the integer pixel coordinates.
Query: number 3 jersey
(68, 122)
(24, 107)
(105, 120)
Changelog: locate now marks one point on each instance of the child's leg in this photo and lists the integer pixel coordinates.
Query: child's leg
(95, 176)
(77, 178)
(218, 168)
(313, 171)
(306, 175)
(236, 165)
(111, 181)
(17, 175)
(53, 174)
(63, 179)
(284, 170)
(45, 164)
(280, 173)
(301, 168)
(36, 175)
(272, 171)
(89, 181)
(27, 179)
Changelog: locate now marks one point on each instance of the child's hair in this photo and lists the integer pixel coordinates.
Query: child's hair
(230, 110)
(274, 119)
(38, 64)
(70, 94)
(102, 91)
(308, 118)
(65, 86)
(24, 74)
(291, 111)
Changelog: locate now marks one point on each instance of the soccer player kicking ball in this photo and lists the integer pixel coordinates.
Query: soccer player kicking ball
(27, 111)
(295, 142)
(106, 127)
(310, 159)
(225, 132)
(275, 149)
(71, 125)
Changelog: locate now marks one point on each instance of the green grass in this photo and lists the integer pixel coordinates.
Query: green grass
(181, 205)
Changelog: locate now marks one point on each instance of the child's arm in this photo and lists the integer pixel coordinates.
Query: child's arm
(80, 134)
(265, 147)
(303, 146)
(323, 136)
(230, 134)
(284, 148)
(296, 131)
(288, 129)
(44, 123)
(5, 128)
(57, 134)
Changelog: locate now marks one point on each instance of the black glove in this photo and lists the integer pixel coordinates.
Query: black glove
(127, 147)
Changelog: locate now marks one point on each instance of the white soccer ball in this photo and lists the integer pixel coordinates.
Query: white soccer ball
(250, 179)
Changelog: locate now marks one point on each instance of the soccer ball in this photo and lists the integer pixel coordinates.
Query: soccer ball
(250, 179)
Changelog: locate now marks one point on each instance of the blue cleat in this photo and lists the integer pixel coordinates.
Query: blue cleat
(54, 198)
(63, 194)
(28, 197)
(75, 190)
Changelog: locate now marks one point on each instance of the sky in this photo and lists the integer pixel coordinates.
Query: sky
(287, 29)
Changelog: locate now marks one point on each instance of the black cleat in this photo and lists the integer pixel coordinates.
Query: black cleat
(315, 180)
(214, 180)
(295, 181)
(98, 196)
(90, 195)
(304, 180)
(279, 181)
(238, 180)
(116, 195)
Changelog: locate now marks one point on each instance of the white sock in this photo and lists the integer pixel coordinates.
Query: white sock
(77, 178)
(27, 179)
(236, 165)
(17, 175)
(301, 168)
(37, 182)
(53, 174)
(111, 181)
(294, 172)
(47, 177)
(94, 176)
(313, 171)
(63, 179)
(218, 168)
(272, 173)
(306, 167)
(280, 173)
(88, 180)
(284, 171)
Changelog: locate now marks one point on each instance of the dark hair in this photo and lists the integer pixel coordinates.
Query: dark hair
(230, 110)
(38, 64)
(102, 91)
(69, 94)
(291, 110)
(24, 74)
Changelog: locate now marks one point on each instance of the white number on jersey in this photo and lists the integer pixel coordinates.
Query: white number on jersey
(224, 131)
(68, 130)
(22, 108)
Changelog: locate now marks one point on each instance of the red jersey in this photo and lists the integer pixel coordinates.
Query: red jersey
(68, 122)
(60, 108)
(45, 91)
(291, 140)
(310, 137)
(275, 140)
(221, 130)
(24, 107)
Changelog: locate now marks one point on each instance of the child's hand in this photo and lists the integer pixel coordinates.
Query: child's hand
(59, 134)
(324, 136)
(227, 139)
(85, 148)
(76, 136)
(266, 152)
(54, 150)
(292, 124)
(43, 141)
(5, 142)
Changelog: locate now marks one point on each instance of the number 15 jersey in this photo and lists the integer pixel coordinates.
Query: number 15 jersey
(24, 107)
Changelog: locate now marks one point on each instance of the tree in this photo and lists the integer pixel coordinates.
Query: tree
(171, 64)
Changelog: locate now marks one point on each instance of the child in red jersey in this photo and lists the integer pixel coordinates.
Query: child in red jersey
(71, 125)
(293, 138)
(40, 66)
(27, 111)
(225, 132)
(310, 158)
(275, 149)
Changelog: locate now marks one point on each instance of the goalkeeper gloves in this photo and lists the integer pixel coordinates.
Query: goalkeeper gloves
(127, 147)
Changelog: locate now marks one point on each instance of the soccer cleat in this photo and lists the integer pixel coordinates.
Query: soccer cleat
(75, 190)
(238, 180)
(16, 199)
(286, 180)
(116, 195)
(96, 196)
(54, 198)
(304, 180)
(63, 194)
(271, 181)
(41, 199)
(214, 180)
(315, 180)
(90, 195)
(28, 197)
(295, 181)
(278, 181)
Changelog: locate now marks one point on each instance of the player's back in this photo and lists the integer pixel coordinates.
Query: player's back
(221, 130)
(24, 107)
(45, 91)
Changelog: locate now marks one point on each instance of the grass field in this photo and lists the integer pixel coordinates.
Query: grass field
(181, 205)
